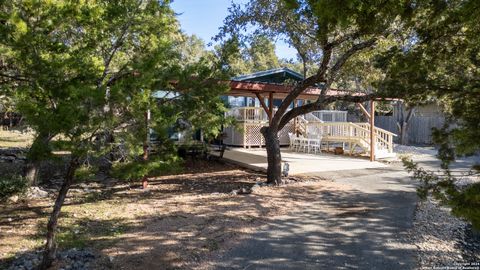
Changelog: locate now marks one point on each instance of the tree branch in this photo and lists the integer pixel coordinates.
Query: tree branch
(299, 88)
(342, 39)
(118, 43)
(307, 108)
(343, 59)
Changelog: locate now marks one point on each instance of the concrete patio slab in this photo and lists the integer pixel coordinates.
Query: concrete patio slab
(300, 163)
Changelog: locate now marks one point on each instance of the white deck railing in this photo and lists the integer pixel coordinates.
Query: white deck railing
(353, 132)
(331, 125)
(256, 114)
(331, 116)
(248, 114)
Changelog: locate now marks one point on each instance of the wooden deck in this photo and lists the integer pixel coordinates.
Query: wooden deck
(353, 137)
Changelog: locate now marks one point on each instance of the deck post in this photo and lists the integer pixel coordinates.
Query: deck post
(270, 105)
(372, 130)
(295, 119)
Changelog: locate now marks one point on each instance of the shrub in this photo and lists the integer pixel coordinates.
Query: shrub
(11, 185)
(136, 170)
(467, 204)
(85, 173)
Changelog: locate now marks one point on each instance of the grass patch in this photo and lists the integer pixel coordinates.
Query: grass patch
(15, 139)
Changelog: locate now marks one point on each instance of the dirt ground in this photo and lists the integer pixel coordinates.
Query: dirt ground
(177, 223)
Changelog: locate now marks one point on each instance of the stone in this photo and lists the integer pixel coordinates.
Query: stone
(36, 192)
(13, 199)
(245, 191)
(255, 187)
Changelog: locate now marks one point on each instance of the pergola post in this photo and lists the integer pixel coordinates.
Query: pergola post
(295, 119)
(270, 106)
(372, 130)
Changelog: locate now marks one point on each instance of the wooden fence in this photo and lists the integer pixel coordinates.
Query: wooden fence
(419, 130)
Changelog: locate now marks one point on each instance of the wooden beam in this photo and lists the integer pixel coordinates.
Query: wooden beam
(364, 111)
(270, 106)
(295, 119)
(262, 102)
(372, 130)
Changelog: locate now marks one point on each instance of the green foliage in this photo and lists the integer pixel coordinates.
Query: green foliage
(441, 62)
(308, 26)
(136, 170)
(96, 72)
(85, 173)
(464, 201)
(467, 204)
(11, 185)
(262, 54)
(238, 57)
(93, 64)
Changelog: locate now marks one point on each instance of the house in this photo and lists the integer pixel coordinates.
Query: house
(253, 100)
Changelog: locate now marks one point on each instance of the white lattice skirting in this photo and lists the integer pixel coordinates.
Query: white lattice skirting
(248, 134)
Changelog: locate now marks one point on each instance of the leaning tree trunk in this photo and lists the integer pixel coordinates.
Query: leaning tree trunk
(51, 246)
(274, 158)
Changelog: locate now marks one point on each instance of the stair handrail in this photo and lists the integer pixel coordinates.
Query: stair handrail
(383, 140)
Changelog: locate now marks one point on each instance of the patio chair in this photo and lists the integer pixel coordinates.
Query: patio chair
(314, 143)
(302, 144)
(292, 139)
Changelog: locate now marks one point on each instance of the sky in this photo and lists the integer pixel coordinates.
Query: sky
(204, 17)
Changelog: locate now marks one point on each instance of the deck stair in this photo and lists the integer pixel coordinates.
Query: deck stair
(352, 136)
(332, 125)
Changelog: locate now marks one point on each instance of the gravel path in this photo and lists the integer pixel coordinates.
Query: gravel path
(443, 240)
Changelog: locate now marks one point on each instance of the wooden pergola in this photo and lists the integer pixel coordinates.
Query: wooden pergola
(278, 91)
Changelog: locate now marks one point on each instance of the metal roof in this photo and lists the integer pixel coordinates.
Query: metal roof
(257, 76)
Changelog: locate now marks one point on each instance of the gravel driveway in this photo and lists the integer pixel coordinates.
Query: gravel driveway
(363, 226)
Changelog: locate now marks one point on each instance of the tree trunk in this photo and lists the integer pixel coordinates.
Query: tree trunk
(51, 246)
(274, 158)
(30, 172)
(32, 166)
(403, 133)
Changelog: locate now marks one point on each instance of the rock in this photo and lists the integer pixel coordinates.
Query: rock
(36, 193)
(9, 159)
(244, 191)
(69, 259)
(13, 199)
(255, 187)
